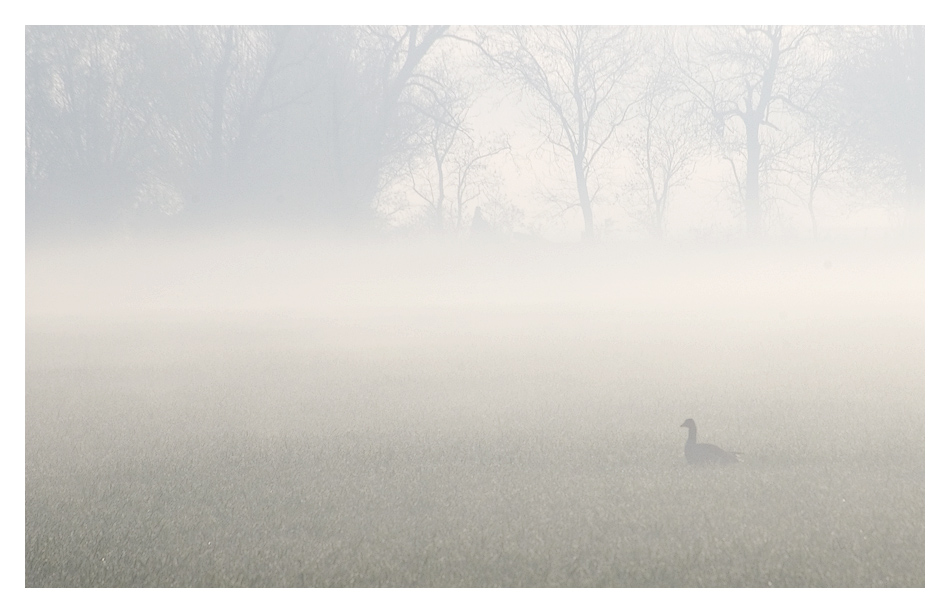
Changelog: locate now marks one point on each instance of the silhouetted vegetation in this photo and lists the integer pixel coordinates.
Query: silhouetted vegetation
(350, 127)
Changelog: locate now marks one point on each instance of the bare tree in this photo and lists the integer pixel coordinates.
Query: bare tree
(225, 78)
(454, 177)
(113, 123)
(667, 139)
(577, 73)
(826, 158)
(760, 76)
(87, 132)
(812, 159)
(450, 172)
(322, 118)
(140, 120)
(366, 148)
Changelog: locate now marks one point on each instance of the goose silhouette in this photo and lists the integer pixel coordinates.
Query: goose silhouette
(704, 453)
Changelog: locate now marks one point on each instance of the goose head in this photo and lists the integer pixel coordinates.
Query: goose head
(689, 423)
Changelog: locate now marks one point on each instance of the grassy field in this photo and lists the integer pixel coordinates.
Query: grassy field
(487, 443)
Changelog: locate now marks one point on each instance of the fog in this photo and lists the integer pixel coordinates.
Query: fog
(366, 306)
(280, 411)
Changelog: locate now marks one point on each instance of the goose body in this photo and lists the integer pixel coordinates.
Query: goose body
(704, 453)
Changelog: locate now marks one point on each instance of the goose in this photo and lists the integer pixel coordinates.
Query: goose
(704, 453)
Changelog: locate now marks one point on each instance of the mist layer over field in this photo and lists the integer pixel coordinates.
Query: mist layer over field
(253, 411)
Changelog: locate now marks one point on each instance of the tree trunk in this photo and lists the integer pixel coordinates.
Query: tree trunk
(583, 197)
(811, 213)
(753, 204)
(754, 117)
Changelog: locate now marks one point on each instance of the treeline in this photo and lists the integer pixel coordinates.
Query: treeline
(153, 126)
